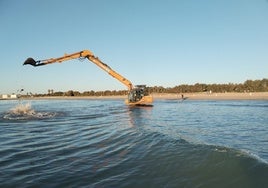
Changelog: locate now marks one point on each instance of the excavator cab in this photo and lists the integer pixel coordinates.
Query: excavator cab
(139, 96)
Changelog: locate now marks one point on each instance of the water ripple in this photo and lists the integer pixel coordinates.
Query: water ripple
(106, 144)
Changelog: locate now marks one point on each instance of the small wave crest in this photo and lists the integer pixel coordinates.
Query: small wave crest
(26, 112)
(239, 153)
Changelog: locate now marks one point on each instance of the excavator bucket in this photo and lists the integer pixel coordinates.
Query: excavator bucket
(30, 61)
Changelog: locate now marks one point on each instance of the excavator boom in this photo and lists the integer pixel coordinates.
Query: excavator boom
(83, 54)
(137, 96)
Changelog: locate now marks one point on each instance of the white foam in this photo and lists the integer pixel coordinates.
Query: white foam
(25, 112)
(23, 109)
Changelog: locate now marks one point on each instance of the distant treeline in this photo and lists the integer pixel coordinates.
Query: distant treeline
(247, 86)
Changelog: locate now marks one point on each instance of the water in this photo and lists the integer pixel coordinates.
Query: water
(103, 143)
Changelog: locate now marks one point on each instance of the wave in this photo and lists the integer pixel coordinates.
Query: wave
(26, 112)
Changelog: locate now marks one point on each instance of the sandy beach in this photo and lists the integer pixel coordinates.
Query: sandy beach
(215, 96)
(169, 96)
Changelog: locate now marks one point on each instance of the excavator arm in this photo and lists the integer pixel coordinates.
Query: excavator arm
(82, 54)
(137, 95)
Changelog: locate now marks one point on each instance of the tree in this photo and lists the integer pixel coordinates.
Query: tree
(69, 93)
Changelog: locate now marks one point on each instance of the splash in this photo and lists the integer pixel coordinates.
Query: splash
(25, 112)
(23, 109)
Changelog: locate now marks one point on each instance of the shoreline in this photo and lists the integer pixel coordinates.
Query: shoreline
(214, 96)
(165, 96)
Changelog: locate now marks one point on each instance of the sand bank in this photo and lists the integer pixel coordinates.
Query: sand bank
(215, 96)
(189, 96)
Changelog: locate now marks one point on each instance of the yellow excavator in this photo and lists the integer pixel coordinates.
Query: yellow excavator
(137, 96)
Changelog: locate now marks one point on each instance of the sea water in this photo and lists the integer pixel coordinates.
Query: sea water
(104, 143)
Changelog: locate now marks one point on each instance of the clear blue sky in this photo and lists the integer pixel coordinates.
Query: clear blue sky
(154, 42)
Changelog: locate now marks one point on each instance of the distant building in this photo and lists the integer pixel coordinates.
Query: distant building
(13, 96)
(6, 96)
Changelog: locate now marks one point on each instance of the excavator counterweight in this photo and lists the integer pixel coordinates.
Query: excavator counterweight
(137, 96)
